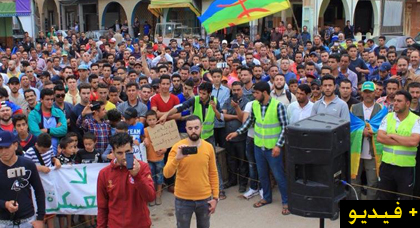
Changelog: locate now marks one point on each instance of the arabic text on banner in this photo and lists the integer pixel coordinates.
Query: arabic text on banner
(72, 189)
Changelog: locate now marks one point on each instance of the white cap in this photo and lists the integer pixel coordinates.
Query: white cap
(224, 42)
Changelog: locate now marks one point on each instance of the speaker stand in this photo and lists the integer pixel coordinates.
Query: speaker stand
(321, 223)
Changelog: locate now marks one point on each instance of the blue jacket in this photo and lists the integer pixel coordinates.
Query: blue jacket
(35, 119)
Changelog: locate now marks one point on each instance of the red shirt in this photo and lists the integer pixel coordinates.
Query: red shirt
(9, 127)
(122, 199)
(157, 101)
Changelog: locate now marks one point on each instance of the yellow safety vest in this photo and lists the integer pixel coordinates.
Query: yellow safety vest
(267, 130)
(402, 156)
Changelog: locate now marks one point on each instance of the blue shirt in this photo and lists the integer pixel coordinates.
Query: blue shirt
(222, 95)
(289, 75)
(136, 131)
(181, 124)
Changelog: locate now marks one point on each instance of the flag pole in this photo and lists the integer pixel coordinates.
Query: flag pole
(294, 17)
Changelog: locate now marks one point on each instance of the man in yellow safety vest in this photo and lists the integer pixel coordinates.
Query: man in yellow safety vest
(400, 134)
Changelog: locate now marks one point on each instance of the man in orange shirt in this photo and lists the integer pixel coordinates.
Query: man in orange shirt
(197, 183)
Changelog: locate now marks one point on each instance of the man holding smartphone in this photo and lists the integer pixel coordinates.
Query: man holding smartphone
(18, 175)
(197, 184)
(124, 188)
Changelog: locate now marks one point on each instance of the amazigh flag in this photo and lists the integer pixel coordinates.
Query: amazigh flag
(227, 13)
(356, 138)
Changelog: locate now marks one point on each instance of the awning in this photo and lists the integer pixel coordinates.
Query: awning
(156, 6)
(15, 8)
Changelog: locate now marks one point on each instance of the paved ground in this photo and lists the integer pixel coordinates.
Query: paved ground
(235, 212)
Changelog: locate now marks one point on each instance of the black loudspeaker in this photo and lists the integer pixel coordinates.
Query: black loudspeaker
(318, 158)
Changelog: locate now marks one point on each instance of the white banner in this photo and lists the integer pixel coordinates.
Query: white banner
(72, 189)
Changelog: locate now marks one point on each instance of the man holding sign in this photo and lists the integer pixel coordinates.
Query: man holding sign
(196, 187)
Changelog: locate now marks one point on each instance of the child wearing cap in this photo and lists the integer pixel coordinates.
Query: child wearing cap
(135, 130)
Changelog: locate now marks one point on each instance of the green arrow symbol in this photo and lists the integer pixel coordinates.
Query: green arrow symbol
(83, 177)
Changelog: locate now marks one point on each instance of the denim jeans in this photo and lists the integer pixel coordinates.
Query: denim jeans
(157, 171)
(265, 162)
(26, 223)
(185, 208)
(219, 170)
(253, 172)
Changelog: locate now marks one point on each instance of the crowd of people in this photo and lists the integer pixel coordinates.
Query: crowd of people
(74, 100)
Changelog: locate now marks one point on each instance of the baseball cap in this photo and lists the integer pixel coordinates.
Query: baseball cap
(130, 113)
(155, 82)
(368, 85)
(386, 66)
(13, 80)
(224, 42)
(314, 53)
(112, 40)
(311, 76)
(6, 104)
(7, 138)
(82, 67)
(316, 82)
(195, 69)
(334, 38)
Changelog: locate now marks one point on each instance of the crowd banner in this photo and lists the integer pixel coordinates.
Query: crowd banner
(72, 189)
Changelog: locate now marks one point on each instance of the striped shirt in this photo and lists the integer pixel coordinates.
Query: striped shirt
(281, 114)
(46, 157)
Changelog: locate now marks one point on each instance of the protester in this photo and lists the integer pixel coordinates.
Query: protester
(400, 149)
(267, 151)
(199, 76)
(198, 195)
(135, 184)
(19, 208)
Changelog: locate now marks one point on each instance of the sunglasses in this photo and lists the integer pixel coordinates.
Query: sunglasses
(60, 95)
(315, 88)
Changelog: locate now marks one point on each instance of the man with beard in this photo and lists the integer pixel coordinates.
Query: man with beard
(404, 76)
(280, 93)
(399, 149)
(176, 84)
(196, 185)
(392, 86)
(269, 119)
(258, 73)
(345, 92)
(392, 59)
(330, 103)
(196, 77)
(302, 107)
(15, 96)
(6, 123)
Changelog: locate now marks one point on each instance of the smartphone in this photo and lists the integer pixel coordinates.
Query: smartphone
(235, 98)
(129, 157)
(189, 150)
(95, 106)
(212, 98)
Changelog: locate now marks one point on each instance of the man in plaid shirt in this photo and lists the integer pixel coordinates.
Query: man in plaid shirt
(268, 147)
(92, 120)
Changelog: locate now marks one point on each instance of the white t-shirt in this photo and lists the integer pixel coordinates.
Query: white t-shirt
(367, 112)
(248, 109)
(415, 130)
